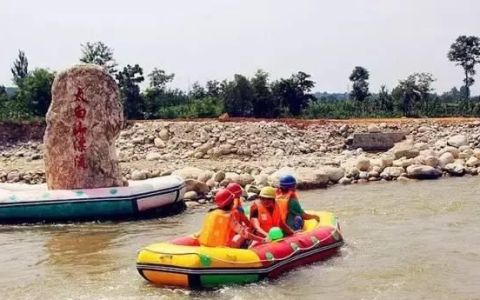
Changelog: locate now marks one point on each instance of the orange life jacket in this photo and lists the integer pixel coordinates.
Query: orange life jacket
(216, 230)
(282, 200)
(266, 219)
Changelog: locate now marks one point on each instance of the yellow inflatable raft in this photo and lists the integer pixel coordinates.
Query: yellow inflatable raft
(184, 263)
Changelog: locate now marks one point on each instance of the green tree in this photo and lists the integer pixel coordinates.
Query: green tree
(20, 68)
(214, 88)
(128, 81)
(159, 79)
(35, 92)
(466, 53)
(208, 107)
(264, 105)
(161, 103)
(384, 100)
(3, 102)
(414, 90)
(100, 54)
(451, 96)
(239, 96)
(359, 79)
(424, 83)
(197, 91)
(294, 92)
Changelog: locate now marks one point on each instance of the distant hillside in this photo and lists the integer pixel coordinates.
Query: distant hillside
(331, 96)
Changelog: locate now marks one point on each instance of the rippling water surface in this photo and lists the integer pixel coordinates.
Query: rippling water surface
(415, 240)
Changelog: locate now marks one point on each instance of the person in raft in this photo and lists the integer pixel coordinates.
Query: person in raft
(265, 213)
(237, 209)
(286, 196)
(222, 226)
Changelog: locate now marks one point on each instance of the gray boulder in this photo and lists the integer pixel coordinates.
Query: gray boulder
(345, 181)
(392, 172)
(151, 156)
(197, 186)
(190, 195)
(159, 143)
(307, 178)
(334, 174)
(261, 180)
(473, 162)
(423, 172)
(455, 169)
(163, 134)
(458, 141)
(445, 159)
(405, 149)
(219, 176)
(363, 164)
(403, 162)
(205, 176)
(139, 175)
(189, 172)
(372, 128)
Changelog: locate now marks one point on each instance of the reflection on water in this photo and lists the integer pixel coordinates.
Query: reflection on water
(404, 241)
(74, 247)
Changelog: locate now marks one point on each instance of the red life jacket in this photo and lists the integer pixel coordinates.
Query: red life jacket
(242, 218)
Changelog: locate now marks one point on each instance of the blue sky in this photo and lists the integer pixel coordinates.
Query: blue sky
(213, 39)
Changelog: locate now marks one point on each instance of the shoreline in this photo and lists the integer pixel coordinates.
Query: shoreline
(210, 153)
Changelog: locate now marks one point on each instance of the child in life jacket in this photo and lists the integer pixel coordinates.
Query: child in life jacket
(222, 226)
(265, 213)
(237, 191)
(286, 196)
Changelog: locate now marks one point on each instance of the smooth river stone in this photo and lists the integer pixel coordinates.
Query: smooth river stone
(83, 122)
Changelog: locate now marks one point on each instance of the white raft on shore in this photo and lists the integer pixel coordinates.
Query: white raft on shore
(21, 203)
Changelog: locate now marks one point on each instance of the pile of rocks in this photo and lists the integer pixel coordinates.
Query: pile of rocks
(30, 177)
(213, 140)
(210, 154)
(454, 156)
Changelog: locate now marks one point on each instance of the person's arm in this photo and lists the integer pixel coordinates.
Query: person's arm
(256, 226)
(245, 221)
(243, 231)
(286, 229)
(297, 210)
(250, 236)
(307, 216)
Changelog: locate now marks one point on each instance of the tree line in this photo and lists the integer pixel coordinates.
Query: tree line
(258, 96)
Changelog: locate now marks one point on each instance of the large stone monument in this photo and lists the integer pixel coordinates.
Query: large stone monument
(83, 122)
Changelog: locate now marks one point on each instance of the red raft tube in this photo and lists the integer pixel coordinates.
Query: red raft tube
(184, 263)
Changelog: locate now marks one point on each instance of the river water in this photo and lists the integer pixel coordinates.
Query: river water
(414, 240)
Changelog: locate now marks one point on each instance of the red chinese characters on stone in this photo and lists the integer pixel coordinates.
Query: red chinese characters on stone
(79, 130)
(79, 144)
(79, 96)
(80, 162)
(80, 112)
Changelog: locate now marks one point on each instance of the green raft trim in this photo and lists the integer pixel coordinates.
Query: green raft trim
(68, 210)
(210, 281)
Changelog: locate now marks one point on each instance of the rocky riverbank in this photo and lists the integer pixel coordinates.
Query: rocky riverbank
(211, 153)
